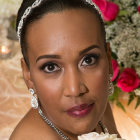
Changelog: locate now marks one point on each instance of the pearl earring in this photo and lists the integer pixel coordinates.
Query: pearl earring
(34, 101)
(110, 85)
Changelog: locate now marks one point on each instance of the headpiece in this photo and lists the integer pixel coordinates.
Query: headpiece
(36, 4)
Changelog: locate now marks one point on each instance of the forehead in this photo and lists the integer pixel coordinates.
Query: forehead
(65, 30)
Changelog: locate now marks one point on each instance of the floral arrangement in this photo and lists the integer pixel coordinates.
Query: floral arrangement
(125, 80)
(96, 136)
(122, 22)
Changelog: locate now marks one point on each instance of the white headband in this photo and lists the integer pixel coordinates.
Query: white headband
(34, 5)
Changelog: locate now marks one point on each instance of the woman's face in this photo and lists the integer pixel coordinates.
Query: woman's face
(69, 68)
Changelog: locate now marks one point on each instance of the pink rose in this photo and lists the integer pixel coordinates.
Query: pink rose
(108, 9)
(115, 67)
(102, 4)
(138, 8)
(111, 12)
(128, 80)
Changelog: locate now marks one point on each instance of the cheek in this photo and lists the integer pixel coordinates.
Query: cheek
(48, 90)
(98, 79)
(98, 85)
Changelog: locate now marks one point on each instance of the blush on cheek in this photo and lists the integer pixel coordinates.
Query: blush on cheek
(101, 94)
(47, 92)
(103, 90)
(100, 88)
(101, 81)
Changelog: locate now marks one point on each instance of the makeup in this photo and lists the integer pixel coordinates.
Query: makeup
(81, 110)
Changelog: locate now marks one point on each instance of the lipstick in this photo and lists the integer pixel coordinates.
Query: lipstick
(80, 111)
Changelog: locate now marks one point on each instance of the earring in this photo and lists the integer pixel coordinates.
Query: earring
(110, 85)
(34, 101)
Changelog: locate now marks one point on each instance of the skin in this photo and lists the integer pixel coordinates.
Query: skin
(75, 78)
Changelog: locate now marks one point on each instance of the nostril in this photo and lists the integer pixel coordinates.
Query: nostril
(81, 94)
(76, 91)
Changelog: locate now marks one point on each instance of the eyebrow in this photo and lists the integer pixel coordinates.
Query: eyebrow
(59, 57)
(48, 56)
(88, 49)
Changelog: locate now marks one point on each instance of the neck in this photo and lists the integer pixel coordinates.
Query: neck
(64, 134)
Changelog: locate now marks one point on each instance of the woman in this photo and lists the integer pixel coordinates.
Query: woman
(66, 67)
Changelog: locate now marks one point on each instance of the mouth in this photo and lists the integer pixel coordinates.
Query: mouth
(80, 110)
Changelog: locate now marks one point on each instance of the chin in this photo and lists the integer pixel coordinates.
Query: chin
(80, 131)
(82, 128)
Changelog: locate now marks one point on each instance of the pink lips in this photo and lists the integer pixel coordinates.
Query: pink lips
(80, 111)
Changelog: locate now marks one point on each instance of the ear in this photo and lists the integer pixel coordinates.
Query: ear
(26, 74)
(109, 57)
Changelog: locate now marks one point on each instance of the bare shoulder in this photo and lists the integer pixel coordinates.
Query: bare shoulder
(32, 127)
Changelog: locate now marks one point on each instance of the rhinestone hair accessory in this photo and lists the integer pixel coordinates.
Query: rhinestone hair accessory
(36, 4)
(26, 13)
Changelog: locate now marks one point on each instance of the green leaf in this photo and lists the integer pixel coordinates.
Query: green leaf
(117, 2)
(131, 98)
(119, 104)
(138, 103)
(123, 13)
(115, 95)
(114, 55)
(109, 22)
(111, 98)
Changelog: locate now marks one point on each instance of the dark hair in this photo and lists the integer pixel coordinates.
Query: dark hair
(48, 6)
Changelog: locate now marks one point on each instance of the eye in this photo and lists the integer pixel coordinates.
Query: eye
(90, 59)
(50, 67)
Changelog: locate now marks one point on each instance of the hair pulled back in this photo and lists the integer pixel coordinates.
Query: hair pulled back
(49, 6)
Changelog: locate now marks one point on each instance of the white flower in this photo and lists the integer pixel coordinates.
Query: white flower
(96, 136)
(137, 92)
(124, 35)
(138, 71)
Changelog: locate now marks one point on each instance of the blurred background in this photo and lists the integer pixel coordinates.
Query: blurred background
(122, 23)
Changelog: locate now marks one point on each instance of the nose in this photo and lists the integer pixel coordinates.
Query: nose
(73, 84)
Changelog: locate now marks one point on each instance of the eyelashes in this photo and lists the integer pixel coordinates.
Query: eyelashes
(87, 61)
(50, 67)
(90, 59)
